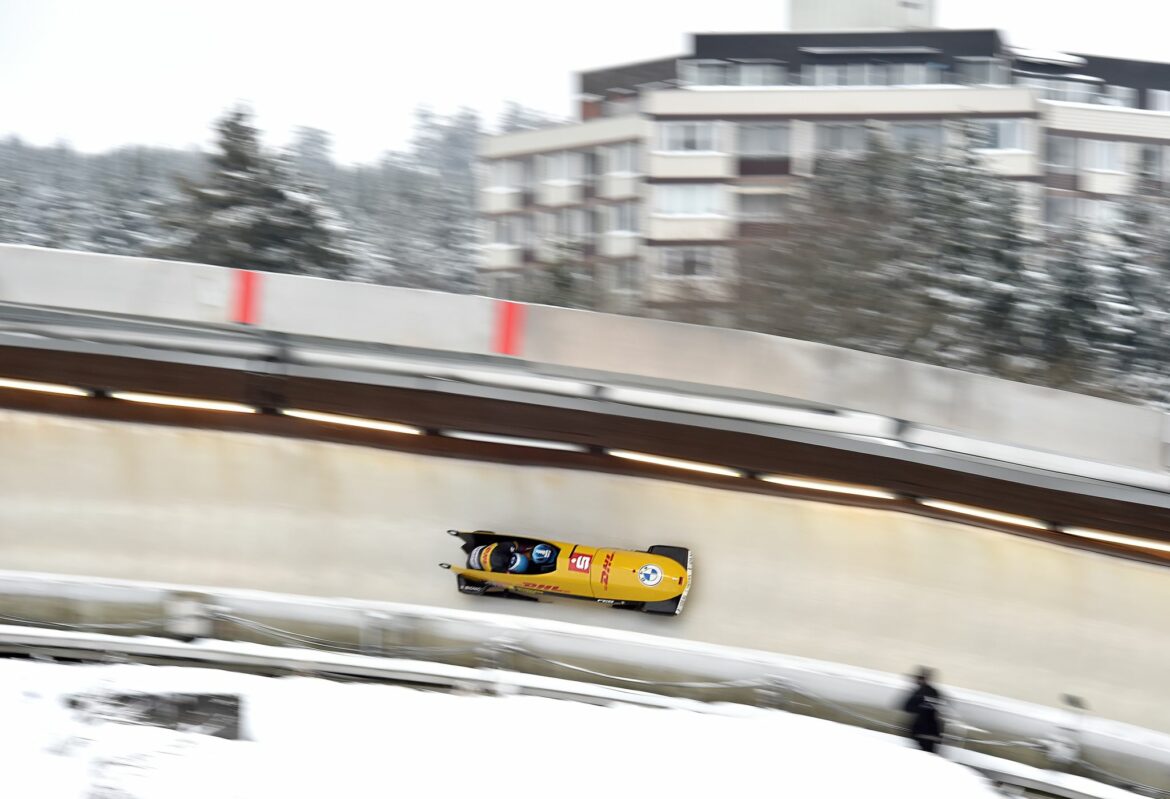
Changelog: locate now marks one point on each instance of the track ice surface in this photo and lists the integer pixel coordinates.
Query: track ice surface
(993, 612)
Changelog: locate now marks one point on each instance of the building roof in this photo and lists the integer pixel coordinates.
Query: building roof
(793, 47)
(628, 76)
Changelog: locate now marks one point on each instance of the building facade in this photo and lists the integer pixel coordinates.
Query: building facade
(674, 163)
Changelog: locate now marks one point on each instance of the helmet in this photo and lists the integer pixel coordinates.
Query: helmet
(519, 563)
(542, 554)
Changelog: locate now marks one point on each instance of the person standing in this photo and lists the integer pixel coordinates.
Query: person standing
(925, 705)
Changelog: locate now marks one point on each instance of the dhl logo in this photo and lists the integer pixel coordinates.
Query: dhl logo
(605, 564)
(543, 587)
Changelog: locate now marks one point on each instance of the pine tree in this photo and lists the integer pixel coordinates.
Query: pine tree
(249, 213)
(954, 270)
(1008, 315)
(517, 117)
(1138, 346)
(1073, 333)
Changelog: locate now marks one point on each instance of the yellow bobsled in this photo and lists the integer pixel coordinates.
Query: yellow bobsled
(655, 581)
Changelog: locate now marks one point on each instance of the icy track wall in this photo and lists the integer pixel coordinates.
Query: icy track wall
(993, 612)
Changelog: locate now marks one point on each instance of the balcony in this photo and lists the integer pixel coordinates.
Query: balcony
(500, 200)
(556, 193)
(690, 228)
(692, 165)
(619, 244)
(619, 186)
(503, 256)
(1100, 182)
(1011, 163)
(814, 101)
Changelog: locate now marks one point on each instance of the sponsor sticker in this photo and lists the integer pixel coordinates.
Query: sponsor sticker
(605, 564)
(650, 575)
(580, 563)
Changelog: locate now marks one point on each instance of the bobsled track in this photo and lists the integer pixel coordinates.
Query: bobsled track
(854, 508)
(884, 590)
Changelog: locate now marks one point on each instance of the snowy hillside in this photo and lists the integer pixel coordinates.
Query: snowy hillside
(308, 737)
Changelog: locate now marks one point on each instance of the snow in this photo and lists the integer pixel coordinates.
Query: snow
(308, 737)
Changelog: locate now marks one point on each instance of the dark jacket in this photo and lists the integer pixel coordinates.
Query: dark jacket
(924, 705)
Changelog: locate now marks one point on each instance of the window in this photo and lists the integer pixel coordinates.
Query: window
(506, 174)
(1068, 91)
(623, 159)
(567, 223)
(589, 165)
(826, 75)
(627, 276)
(763, 139)
(571, 223)
(917, 136)
(1121, 96)
(983, 71)
(709, 73)
(713, 72)
(561, 166)
(1158, 99)
(623, 217)
(911, 74)
(873, 74)
(506, 230)
(689, 199)
(761, 74)
(762, 207)
(1155, 162)
(1104, 156)
(1060, 209)
(1003, 134)
(1039, 84)
(688, 137)
(1078, 92)
(689, 261)
(842, 137)
(1060, 154)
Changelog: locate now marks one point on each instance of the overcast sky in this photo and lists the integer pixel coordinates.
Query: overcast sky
(100, 73)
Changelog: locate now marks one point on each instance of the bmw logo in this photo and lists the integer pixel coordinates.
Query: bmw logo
(650, 575)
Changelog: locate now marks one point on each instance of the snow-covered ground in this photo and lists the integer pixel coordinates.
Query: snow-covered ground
(314, 738)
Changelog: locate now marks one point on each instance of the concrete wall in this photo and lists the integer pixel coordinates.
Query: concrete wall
(113, 284)
(975, 406)
(723, 361)
(994, 612)
(384, 314)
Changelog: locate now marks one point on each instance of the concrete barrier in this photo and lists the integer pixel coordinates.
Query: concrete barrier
(717, 362)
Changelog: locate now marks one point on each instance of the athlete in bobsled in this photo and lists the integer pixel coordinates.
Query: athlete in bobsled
(512, 557)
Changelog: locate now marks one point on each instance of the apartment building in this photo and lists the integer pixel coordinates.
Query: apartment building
(674, 163)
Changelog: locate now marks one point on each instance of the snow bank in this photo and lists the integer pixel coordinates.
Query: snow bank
(312, 738)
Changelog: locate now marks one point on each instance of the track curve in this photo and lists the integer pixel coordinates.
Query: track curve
(994, 612)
